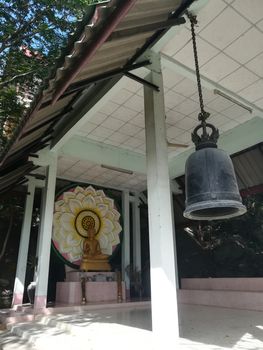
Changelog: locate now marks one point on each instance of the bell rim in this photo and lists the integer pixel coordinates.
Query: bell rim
(188, 213)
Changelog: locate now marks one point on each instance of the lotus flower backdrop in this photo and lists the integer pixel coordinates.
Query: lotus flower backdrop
(75, 211)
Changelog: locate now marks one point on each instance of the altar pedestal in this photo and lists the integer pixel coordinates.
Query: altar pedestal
(70, 292)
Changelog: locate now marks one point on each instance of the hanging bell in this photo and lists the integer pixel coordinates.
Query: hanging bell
(211, 187)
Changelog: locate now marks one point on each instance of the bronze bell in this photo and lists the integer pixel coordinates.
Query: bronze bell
(210, 181)
(211, 187)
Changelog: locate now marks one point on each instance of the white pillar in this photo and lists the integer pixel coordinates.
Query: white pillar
(23, 246)
(126, 237)
(45, 235)
(136, 233)
(161, 230)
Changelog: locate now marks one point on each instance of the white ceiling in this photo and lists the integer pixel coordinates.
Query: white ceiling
(230, 48)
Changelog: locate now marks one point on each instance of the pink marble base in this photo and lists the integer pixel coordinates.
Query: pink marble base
(236, 293)
(70, 292)
(40, 301)
(17, 299)
(238, 284)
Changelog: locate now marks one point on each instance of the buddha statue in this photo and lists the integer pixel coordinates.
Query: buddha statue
(93, 259)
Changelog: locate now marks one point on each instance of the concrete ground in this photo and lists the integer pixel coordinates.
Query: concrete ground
(201, 328)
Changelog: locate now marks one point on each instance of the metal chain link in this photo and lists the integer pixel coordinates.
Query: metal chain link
(203, 115)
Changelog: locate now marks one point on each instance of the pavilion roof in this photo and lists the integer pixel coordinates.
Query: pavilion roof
(103, 49)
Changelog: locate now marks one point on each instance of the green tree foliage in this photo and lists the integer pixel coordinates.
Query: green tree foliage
(31, 32)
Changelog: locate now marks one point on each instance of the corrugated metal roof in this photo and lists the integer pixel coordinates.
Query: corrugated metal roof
(249, 167)
(146, 21)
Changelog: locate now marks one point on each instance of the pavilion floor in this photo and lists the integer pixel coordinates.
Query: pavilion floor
(128, 327)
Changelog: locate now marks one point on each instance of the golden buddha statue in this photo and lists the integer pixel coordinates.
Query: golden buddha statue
(93, 259)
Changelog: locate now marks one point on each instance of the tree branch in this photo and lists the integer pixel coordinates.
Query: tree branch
(4, 83)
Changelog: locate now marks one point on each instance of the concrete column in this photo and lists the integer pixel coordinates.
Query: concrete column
(161, 230)
(126, 237)
(45, 235)
(19, 285)
(136, 233)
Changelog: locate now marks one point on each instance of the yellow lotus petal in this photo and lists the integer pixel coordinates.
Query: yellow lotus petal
(75, 206)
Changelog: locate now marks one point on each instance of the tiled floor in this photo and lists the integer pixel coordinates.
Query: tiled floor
(201, 328)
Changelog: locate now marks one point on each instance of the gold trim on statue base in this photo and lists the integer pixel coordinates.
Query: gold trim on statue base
(95, 265)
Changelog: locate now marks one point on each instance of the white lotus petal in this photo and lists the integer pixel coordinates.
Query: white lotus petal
(107, 226)
(78, 190)
(75, 206)
(109, 215)
(103, 209)
(114, 239)
(56, 218)
(58, 205)
(56, 235)
(65, 208)
(109, 202)
(117, 227)
(105, 245)
(80, 196)
(98, 199)
(101, 193)
(67, 221)
(90, 191)
(71, 242)
(116, 214)
(68, 195)
(88, 203)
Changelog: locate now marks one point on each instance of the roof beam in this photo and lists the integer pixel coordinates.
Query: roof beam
(232, 141)
(84, 109)
(88, 105)
(144, 28)
(101, 153)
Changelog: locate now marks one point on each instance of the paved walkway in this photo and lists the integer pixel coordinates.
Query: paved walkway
(129, 328)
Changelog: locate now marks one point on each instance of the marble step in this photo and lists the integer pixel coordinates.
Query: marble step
(223, 298)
